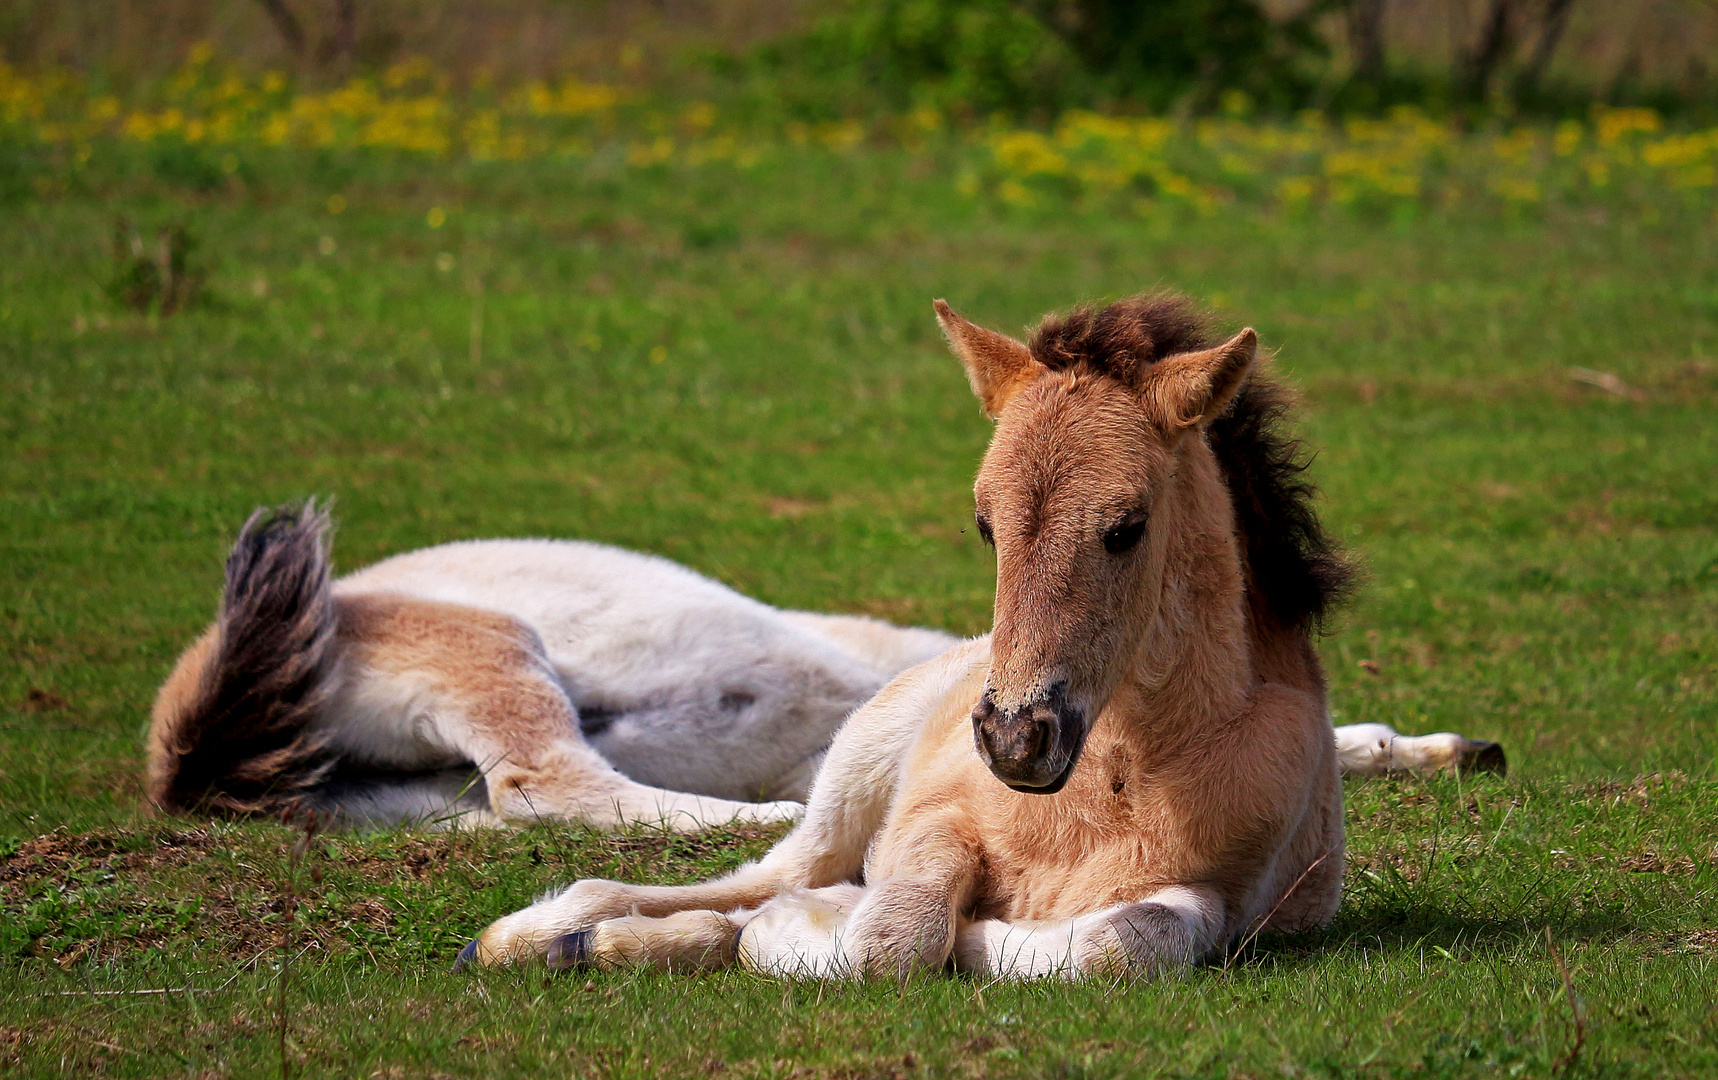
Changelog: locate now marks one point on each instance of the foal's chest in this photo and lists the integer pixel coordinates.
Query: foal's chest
(1110, 837)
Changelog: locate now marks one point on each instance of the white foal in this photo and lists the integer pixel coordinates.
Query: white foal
(505, 681)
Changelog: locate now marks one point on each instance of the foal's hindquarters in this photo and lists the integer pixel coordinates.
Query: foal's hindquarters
(504, 681)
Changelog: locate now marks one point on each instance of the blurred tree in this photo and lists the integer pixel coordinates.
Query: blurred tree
(286, 24)
(1551, 25)
(1475, 66)
(1159, 50)
(1505, 28)
(341, 41)
(338, 45)
(1365, 23)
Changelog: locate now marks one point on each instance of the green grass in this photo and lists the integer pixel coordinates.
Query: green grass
(739, 370)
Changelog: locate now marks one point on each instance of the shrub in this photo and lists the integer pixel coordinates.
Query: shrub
(1001, 56)
(952, 55)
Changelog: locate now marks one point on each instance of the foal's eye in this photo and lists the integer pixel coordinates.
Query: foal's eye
(984, 529)
(1122, 537)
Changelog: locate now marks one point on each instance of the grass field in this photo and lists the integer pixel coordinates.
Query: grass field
(737, 368)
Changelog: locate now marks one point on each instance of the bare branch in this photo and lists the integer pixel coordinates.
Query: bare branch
(1550, 33)
(1477, 67)
(286, 23)
(342, 39)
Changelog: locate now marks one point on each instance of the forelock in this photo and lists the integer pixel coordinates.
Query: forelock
(1122, 339)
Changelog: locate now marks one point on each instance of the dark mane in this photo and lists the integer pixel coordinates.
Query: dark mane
(1297, 573)
(1121, 340)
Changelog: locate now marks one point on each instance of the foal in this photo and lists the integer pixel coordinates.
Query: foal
(1154, 769)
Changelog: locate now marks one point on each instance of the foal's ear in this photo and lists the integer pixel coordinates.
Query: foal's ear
(997, 366)
(1192, 389)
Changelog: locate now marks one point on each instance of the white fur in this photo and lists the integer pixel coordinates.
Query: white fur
(693, 687)
(798, 934)
(1071, 947)
(1374, 749)
(848, 804)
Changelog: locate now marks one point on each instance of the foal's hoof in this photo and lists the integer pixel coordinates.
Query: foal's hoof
(1483, 757)
(569, 951)
(467, 956)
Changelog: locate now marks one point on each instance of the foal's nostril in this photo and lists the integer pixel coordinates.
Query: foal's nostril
(984, 710)
(1011, 742)
(1032, 740)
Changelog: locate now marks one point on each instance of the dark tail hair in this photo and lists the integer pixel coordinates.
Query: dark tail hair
(238, 743)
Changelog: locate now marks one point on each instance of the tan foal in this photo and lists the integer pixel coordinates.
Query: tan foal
(1131, 771)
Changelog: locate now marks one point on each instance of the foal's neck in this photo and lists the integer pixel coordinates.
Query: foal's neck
(1194, 667)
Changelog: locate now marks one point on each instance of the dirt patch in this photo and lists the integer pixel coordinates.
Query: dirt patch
(1638, 791)
(1650, 862)
(420, 860)
(55, 853)
(42, 701)
(92, 896)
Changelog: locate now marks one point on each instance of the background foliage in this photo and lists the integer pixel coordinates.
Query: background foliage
(817, 58)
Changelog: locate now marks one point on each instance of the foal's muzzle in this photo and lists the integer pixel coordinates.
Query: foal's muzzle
(1031, 748)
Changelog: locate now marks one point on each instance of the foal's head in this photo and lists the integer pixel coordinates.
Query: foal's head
(1097, 426)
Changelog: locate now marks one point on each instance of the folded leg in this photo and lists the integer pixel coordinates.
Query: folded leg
(431, 685)
(848, 804)
(1172, 928)
(684, 941)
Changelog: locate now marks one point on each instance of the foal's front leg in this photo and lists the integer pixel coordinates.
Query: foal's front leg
(848, 804)
(797, 933)
(684, 941)
(1171, 928)
(892, 929)
(904, 923)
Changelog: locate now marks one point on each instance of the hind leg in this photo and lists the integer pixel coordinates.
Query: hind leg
(1376, 750)
(430, 685)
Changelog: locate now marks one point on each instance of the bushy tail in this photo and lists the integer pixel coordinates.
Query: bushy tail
(231, 725)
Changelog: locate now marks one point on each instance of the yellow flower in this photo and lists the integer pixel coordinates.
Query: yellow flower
(1615, 124)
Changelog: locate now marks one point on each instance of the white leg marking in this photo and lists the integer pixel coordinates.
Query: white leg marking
(1173, 926)
(849, 802)
(798, 934)
(1375, 749)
